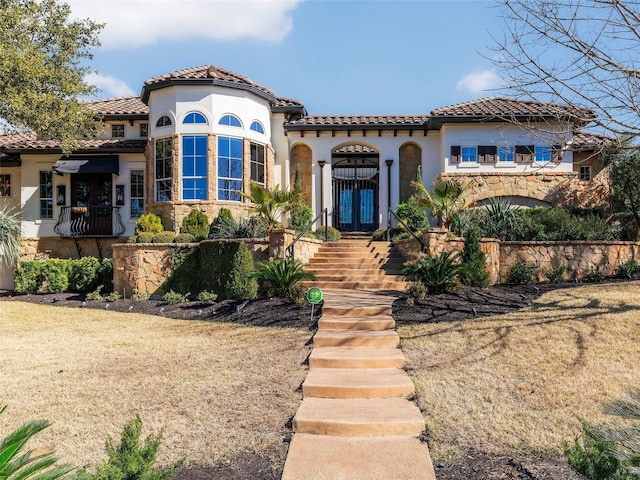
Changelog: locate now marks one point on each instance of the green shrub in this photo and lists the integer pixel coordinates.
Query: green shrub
(380, 235)
(173, 298)
(249, 227)
(413, 215)
(28, 276)
(241, 284)
(54, 276)
(207, 297)
(475, 260)
(131, 460)
(113, 297)
(185, 238)
(149, 222)
(163, 237)
(595, 458)
(594, 276)
(144, 237)
(282, 276)
(10, 236)
(301, 216)
(84, 274)
(94, 296)
(438, 274)
(140, 296)
(333, 234)
(224, 216)
(519, 273)
(417, 290)
(627, 270)
(197, 224)
(556, 274)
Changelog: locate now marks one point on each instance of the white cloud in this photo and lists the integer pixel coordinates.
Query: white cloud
(109, 86)
(480, 81)
(135, 23)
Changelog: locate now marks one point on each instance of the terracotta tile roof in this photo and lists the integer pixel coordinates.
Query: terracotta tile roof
(24, 141)
(583, 140)
(508, 108)
(357, 148)
(313, 122)
(123, 106)
(288, 102)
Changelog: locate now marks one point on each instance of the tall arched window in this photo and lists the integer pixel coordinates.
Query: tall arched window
(195, 117)
(163, 121)
(256, 126)
(230, 120)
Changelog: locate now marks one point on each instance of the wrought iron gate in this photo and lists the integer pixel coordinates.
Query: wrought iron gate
(355, 194)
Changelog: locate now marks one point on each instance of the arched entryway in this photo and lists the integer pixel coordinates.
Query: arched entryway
(355, 185)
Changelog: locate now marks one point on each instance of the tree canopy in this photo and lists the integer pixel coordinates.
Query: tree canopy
(584, 53)
(43, 62)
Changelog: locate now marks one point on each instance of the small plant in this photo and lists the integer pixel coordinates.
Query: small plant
(10, 236)
(16, 463)
(83, 274)
(417, 290)
(438, 274)
(113, 297)
(131, 460)
(140, 296)
(413, 214)
(301, 216)
(594, 276)
(95, 295)
(196, 224)
(207, 297)
(54, 278)
(27, 277)
(149, 222)
(475, 260)
(556, 274)
(519, 273)
(241, 284)
(163, 237)
(282, 276)
(173, 298)
(333, 234)
(144, 237)
(627, 270)
(185, 238)
(250, 227)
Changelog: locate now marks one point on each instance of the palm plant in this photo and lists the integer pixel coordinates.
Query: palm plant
(10, 236)
(269, 204)
(439, 274)
(282, 275)
(445, 201)
(16, 464)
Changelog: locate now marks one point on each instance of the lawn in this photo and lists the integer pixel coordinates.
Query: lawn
(515, 383)
(217, 388)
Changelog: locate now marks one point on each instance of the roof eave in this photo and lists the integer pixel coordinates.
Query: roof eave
(170, 82)
(335, 127)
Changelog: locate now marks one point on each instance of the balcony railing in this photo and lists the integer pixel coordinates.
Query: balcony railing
(91, 221)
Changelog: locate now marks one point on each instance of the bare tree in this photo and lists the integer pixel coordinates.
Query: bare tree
(583, 53)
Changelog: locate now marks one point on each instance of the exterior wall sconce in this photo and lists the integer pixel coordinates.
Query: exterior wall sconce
(120, 195)
(61, 194)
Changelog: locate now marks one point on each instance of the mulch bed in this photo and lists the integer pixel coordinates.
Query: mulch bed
(466, 304)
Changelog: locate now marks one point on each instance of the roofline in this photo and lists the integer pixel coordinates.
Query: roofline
(125, 116)
(356, 126)
(169, 82)
(79, 151)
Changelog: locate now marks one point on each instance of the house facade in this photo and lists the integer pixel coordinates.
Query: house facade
(196, 137)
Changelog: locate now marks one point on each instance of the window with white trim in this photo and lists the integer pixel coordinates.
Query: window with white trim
(469, 154)
(543, 154)
(194, 167)
(229, 168)
(163, 121)
(195, 118)
(230, 121)
(117, 130)
(256, 126)
(506, 154)
(144, 130)
(46, 194)
(136, 200)
(258, 155)
(163, 169)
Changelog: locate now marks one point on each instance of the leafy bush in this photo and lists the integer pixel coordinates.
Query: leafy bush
(207, 297)
(144, 237)
(173, 298)
(224, 215)
(413, 215)
(16, 463)
(54, 278)
(113, 297)
(519, 273)
(105, 274)
(333, 234)
(185, 238)
(241, 284)
(438, 274)
(84, 274)
(27, 277)
(140, 296)
(249, 227)
(163, 237)
(475, 260)
(149, 222)
(594, 276)
(627, 270)
(94, 296)
(301, 216)
(197, 224)
(282, 275)
(557, 224)
(417, 290)
(130, 460)
(556, 274)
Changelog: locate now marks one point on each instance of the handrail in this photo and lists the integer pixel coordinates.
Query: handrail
(290, 249)
(89, 221)
(406, 227)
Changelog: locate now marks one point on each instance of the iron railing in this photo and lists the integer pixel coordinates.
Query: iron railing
(324, 213)
(91, 221)
(423, 248)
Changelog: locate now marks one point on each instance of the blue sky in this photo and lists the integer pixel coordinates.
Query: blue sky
(337, 57)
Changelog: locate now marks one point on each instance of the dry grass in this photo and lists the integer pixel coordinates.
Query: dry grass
(216, 388)
(515, 383)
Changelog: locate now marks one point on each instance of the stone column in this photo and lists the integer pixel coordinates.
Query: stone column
(279, 240)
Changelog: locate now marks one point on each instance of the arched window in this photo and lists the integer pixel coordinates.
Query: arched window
(195, 117)
(230, 120)
(256, 126)
(163, 121)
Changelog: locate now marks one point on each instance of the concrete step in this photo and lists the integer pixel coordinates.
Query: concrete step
(377, 322)
(351, 277)
(356, 357)
(356, 338)
(356, 310)
(357, 383)
(360, 417)
(320, 457)
(332, 269)
(362, 285)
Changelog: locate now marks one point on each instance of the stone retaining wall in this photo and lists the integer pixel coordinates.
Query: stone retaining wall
(59, 247)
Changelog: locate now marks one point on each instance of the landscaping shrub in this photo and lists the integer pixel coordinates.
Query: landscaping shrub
(144, 237)
(54, 278)
(417, 290)
(105, 274)
(249, 227)
(594, 276)
(113, 297)
(333, 234)
(475, 260)
(163, 237)
(557, 224)
(27, 277)
(438, 274)
(185, 237)
(556, 274)
(207, 297)
(413, 215)
(628, 270)
(519, 273)
(197, 224)
(10, 236)
(84, 274)
(281, 276)
(140, 296)
(301, 216)
(173, 298)
(94, 296)
(241, 284)
(149, 222)
(224, 215)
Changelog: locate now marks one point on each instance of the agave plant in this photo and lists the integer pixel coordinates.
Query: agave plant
(17, 464)
(282, 275)
(10, 236)
(439, 274)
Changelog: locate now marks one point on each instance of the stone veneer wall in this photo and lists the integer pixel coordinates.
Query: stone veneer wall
(59, 247)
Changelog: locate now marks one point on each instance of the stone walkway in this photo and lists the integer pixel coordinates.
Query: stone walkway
(355, 421)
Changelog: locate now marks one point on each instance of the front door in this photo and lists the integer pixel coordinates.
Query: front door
(91, 203)
(355, 194)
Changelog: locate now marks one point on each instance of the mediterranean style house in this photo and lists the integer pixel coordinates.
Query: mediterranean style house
(196, 137)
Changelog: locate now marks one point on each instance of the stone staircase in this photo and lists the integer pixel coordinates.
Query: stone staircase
(357, 263)
(355, 421)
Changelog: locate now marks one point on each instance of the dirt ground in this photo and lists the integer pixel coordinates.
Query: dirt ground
(277, 312)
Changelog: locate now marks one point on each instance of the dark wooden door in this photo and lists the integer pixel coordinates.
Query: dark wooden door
(92, 203)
